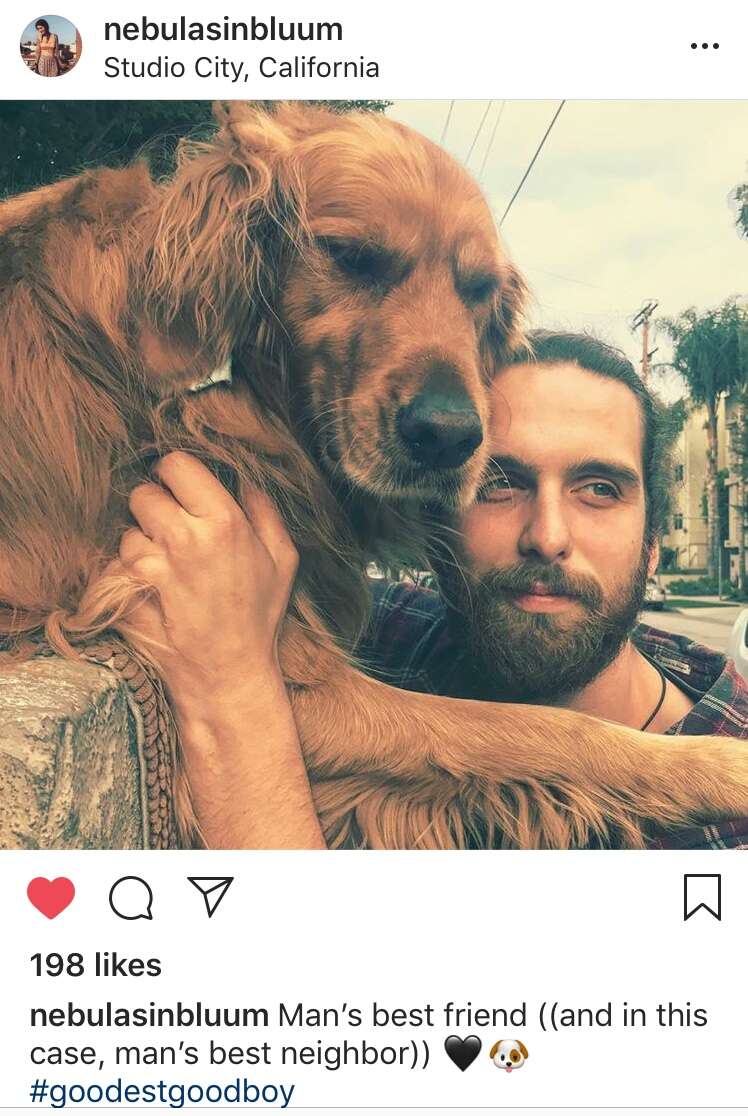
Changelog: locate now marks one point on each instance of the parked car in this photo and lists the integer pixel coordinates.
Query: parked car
(737, 644)
(654, 595)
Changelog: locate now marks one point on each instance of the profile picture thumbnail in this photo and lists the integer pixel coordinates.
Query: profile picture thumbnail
(51, 46)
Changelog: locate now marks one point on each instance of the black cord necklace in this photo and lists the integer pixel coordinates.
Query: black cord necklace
(660, 700)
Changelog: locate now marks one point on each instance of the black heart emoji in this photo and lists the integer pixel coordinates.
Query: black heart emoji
(462, 1052)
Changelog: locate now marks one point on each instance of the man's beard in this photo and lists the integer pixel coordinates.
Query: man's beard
(513, 655)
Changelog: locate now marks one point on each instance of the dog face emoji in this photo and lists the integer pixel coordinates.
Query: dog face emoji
(508, 1054)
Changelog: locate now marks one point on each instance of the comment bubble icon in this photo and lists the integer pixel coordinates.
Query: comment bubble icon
(130, 897)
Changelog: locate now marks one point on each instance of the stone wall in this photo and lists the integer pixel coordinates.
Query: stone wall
(70, 776)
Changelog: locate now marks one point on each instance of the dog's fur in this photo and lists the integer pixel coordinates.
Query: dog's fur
(338, 260)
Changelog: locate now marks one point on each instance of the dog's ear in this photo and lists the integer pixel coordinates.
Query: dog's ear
(523, 1049)
(494, 1048)
(213, 242)
(504, 334)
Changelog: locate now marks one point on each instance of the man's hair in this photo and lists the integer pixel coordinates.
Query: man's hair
(548, 347)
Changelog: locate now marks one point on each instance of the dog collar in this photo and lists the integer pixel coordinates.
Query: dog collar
(220, 375)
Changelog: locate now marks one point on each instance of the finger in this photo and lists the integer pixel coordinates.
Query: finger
(148, 617)
(146, 610)
(115, 568)
(194, 487)
(268, 526)
(134, 544)
(143, 559)
(157, 513)
(144, 626)
(153, 572)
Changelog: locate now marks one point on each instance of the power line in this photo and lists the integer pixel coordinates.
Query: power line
(566, 278)
(532, 162)
(496, 123)
(446, 122)
(478, 131)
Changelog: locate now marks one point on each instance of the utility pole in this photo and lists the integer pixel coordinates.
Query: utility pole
(641, 318)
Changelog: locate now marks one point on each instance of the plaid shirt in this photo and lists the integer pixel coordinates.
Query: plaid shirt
(409, 644)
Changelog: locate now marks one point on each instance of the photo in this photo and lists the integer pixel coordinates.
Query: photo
(374, 473)
(50, 46)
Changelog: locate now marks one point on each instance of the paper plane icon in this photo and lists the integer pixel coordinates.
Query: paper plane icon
(212, 889)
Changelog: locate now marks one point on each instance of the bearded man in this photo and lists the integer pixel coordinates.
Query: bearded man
(545, 580)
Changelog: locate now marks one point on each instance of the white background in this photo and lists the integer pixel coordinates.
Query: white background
(406, 929)
(582, 48)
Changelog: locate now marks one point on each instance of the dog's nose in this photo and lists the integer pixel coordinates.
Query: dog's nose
(440, 428)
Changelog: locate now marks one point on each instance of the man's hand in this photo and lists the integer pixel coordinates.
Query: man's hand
(222, 585)
(223, 580)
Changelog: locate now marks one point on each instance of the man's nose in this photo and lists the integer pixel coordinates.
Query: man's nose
(545, 534)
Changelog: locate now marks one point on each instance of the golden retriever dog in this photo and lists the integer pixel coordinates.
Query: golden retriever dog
(351, 273)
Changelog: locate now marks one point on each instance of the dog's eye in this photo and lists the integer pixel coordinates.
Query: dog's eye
(367, 263)
(475, 289)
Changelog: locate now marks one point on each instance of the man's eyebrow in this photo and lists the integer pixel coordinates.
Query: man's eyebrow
(613, 470)
(505, 463)
(590, 466)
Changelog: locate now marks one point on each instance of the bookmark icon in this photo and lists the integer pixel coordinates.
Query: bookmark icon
(702, 891)
(212, 889)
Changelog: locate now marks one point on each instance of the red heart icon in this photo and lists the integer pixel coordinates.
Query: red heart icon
(51, 897)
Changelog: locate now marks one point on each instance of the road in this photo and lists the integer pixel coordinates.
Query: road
(710, 626)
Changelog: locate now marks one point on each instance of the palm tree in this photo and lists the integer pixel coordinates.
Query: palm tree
(710, 354)
(740, 200)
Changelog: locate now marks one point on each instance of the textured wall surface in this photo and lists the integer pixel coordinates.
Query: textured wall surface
(69, 770)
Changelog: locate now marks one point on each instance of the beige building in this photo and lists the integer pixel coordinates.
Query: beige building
(688, 534)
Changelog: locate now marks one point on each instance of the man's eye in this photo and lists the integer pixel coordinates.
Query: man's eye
(600, 490)
(497, 490)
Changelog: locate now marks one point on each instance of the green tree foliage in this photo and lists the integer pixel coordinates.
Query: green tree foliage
(41, 141)
(668, 558)
(710, 353)
(674, 416)
(723, 496)
(740, 198)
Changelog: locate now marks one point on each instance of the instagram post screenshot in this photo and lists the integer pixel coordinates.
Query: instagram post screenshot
(373, 556)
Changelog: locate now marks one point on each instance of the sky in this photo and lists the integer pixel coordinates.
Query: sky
(628, 201)
(63, 28)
